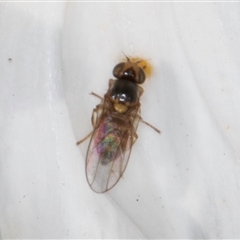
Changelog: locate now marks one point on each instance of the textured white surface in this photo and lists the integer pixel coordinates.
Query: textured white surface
(181, 184)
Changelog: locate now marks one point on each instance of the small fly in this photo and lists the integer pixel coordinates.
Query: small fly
(115, 121)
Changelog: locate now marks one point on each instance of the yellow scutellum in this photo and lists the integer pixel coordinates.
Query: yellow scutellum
(121, 108)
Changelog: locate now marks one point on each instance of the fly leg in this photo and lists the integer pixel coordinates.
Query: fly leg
(96, 95)
(95, 114)
(93, 119)
(79, 142)
(148, 124)
(135, 137)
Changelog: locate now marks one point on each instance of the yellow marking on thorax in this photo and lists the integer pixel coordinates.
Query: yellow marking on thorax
(121, 108)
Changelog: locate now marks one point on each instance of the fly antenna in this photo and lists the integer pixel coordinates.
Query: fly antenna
(126, 57)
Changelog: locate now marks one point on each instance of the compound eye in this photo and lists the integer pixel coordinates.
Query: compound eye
(141, 76)
(118, 70)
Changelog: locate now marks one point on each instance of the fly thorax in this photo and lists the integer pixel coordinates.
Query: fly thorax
(123, 94)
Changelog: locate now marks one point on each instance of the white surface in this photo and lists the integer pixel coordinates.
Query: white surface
(181, 184)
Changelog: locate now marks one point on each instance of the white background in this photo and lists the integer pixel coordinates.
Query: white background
(184, 183)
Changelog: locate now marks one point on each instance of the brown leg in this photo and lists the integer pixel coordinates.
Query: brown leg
(135, 137)
(93, 119)
(96, 95)
(148, 124)
(79, 142)
(95, 114)
(93, 123)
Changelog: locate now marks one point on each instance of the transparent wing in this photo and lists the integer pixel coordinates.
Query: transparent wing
(108, 155)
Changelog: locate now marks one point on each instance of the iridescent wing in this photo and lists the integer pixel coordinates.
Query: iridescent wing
(108, 154)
